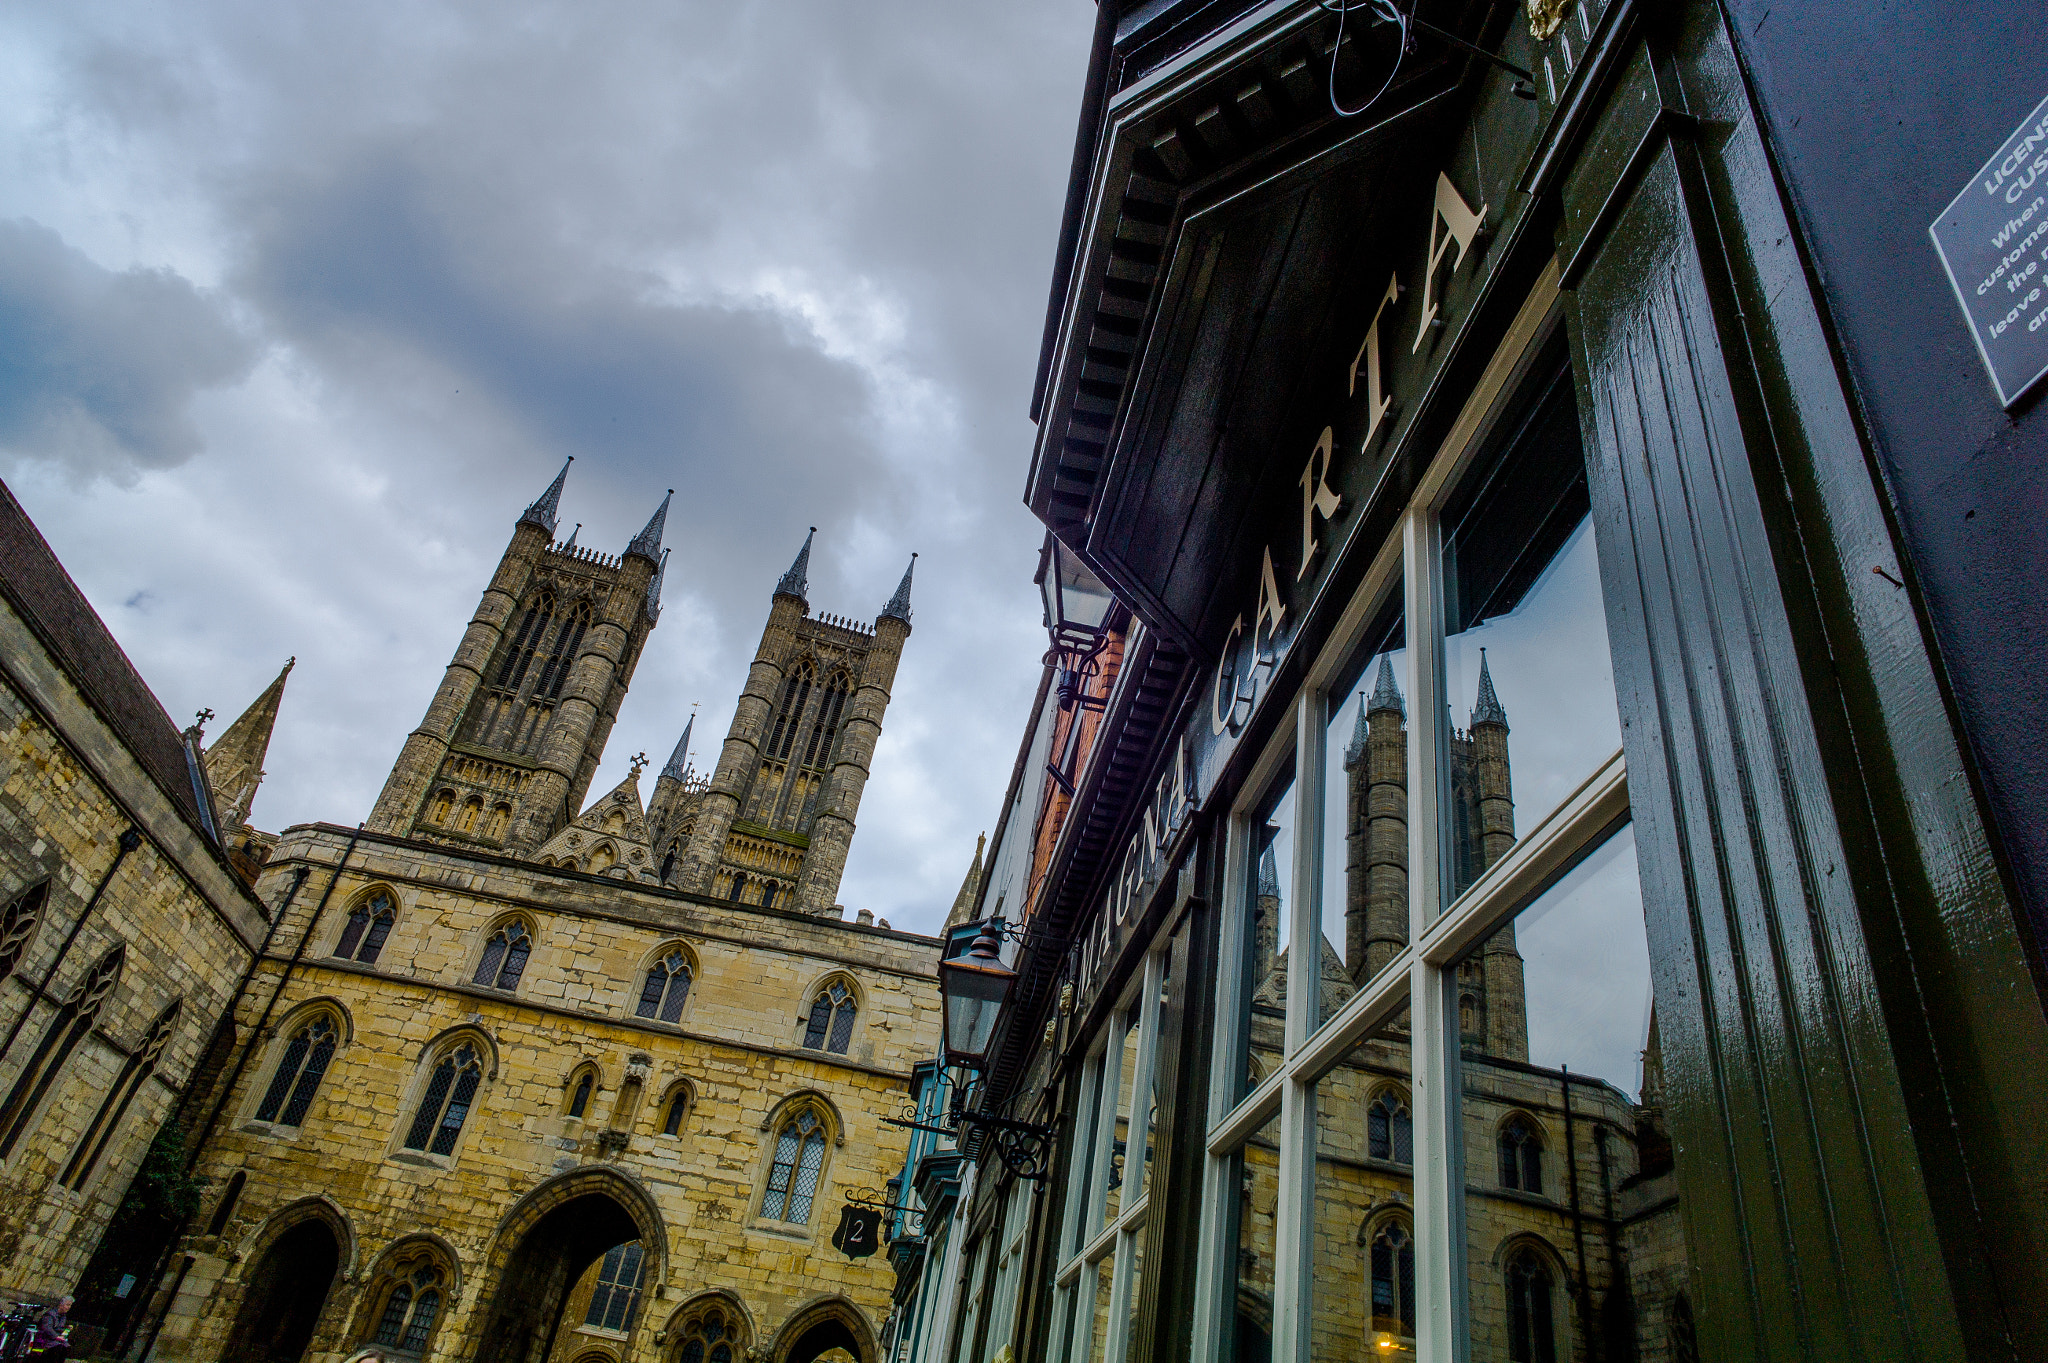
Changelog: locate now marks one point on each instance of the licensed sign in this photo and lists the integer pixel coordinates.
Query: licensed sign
(1993, 241)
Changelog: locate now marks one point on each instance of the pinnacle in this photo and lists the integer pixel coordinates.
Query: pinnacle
(648, 542)
(543, 512)
(1385, 694)
(654, 588)
(899, 604)
(797, 581)
(1487, 709)
(678, 767)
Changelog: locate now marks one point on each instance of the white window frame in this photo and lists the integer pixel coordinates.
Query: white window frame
(1423, 973)
(1085, 1241)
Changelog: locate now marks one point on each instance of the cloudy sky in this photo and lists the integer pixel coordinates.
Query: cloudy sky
(303, 303)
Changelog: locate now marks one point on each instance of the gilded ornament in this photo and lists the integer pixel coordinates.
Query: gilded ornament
(1546, 16)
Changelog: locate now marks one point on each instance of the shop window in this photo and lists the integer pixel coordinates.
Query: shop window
(299, 1071)
(1521, 1156)
(830, 1026)
(617, 1293)
(665, 989)
(504, 958)
(369, 924)
(444, 1107)
(799, 1156)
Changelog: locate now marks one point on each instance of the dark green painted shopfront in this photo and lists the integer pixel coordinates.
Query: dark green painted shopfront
(1543, 858)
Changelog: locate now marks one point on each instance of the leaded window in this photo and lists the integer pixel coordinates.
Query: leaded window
(504, 958)
(298, 1074)
(666, 988)
(408, 1319)
(793, 1177)
(617, 1293)
(1530, 1329)
(1521, 1156)
(1392, 1256)
(444, 1107)
(708, 1339)
(369, 923)
(1389, 1132)
(830, 1027)
(18, 924)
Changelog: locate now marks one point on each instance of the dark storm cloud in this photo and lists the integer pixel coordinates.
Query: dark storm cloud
(98, 368)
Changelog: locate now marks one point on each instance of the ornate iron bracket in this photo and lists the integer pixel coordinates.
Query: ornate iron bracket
(878, 1201)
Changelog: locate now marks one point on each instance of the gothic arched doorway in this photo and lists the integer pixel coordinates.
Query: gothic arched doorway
(545, 1246)
(827, 1331)
(285, 1293)
(821, 1339)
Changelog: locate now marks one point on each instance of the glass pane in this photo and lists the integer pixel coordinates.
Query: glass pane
(1567, 1157)
(1364, 1290)
(1135, 1239)
(1266, 939)
(1098, 1334)
(1258, 1200)
(1365, 812)
(1527, 674)
(1119, 1074)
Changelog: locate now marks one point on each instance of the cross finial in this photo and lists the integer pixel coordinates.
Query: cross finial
(639, 761)
(203, 715)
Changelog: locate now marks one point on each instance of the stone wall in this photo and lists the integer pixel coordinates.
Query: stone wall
(694, 1198)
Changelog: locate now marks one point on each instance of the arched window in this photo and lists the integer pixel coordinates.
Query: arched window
(504, 958)
(666, 988)
(369, 923)
(18, 924)
(298, 1074)
(768, 888)
(140, 1065)
(1389, 1132)
(501, 818)
(708, 1339)
(579, 1101)
(225, 1208)
(1521, 1156)
(796, 693)
(1392, 1253)
(73, 1020)
(472, 813)
(408, 1319)
(793, 1177)
(445, 1105)
(677, 1109)
(533, 627)
(831, 1024)
(1530, 1337)
(444, 805)
(617, 1294)
(568, 642)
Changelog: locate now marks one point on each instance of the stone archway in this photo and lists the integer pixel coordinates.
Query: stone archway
(284, 1294)
(544, 1246)
(821, 1331)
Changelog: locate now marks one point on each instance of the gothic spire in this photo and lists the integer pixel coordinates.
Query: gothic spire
(234, 762)
(654, 588)
(542, 513)
(1386, 695)
(1269, 875)
(797, 581)
(648, 542)
(970, 887)
(570, 543)
(1359, 733)
(899, 604)
(678, 767)
(1487, 709)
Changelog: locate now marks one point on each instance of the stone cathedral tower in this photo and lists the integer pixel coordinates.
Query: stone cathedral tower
(1492, 1012)
(505, 754)
(774, 823)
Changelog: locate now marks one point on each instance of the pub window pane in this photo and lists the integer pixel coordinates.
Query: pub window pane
(1119, 1077)
(1567, 1169)
(1365, 811)
(1258, 1199)
(1364, 1205)
(1527, 675)
(1270, 899)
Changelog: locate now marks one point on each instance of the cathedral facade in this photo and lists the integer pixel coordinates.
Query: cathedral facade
(527, 1075)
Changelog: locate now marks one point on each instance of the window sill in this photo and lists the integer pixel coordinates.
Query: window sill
(599, 1332)
(277, 1131)
(782, 1230)
(420, 1159)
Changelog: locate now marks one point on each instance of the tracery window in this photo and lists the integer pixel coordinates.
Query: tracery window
(408, 1319)
(1521, 1156)
(830, 1027)
(793, 1177)
(18, 924)
(298, 1074)
(140, 1065)
(710, 1338)
(74, 1019)
(568, 642)
(1531, 1338)
(1389, 1131)
(445, 1105)
(369, 924)
(504, 958)
(533, 627)
(1392, 1256)
(666, 988)
(617, 1294)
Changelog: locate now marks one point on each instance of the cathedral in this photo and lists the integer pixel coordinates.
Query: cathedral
(519, 1074)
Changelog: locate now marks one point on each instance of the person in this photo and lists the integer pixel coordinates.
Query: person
(51, 1340)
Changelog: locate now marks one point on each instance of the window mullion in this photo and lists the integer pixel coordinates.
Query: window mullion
(1138, 1129)
(1118, 1333)
(1441, 1336)
(1294, 1224)
(1216, 1254)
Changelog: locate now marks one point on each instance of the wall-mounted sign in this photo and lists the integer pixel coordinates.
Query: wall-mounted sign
(859, 1232)
(1993, 241)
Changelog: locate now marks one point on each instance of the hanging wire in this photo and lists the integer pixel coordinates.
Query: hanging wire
(1383, 11)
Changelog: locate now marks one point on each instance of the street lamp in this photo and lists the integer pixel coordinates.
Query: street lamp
(1076, 611)
(973, 987)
